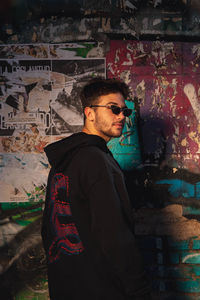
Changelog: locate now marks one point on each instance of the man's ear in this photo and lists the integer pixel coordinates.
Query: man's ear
(89, 114)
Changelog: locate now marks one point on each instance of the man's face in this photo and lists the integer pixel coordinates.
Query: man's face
(106, 123)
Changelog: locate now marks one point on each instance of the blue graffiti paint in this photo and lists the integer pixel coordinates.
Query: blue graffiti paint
(190, 211)
(44, 164)
(20, 160)
(126, 149)
(181, 188)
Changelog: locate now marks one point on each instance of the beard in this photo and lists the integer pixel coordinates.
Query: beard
(109, 129)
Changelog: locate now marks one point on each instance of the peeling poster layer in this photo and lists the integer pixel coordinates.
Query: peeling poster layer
(164, 76)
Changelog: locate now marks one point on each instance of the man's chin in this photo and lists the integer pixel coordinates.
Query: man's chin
(117, 134)
(114, 134)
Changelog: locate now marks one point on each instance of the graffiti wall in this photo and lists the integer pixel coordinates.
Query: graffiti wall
(39, 104)
(164, 78)
(158, 150)
(165, 187)
(164, 81)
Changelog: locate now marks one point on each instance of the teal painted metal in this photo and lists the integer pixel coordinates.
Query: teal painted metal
(195, 270)
(187, 272)
(179, 245)
(196, 245)
(182, 297)
(190, 258)
(159, 285)
(188, 286)
(175, 271)
(160, 258)
(188, 210)
(174, 257)
(126, 149)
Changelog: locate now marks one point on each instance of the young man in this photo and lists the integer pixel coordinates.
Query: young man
(87, 225)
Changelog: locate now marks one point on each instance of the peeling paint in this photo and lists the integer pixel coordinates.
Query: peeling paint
(126, 76)
(129, 61)
(184, 142)
(190, 92)
(106, 24)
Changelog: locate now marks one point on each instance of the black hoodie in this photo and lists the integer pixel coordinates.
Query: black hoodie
(87, 225)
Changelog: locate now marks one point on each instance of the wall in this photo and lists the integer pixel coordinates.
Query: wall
(164, 181)
(163, 77)
(39, 104)
(66, 20)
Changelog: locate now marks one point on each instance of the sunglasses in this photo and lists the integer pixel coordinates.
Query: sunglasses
(116, 110)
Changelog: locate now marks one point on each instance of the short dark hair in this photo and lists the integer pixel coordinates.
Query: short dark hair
(99, 87)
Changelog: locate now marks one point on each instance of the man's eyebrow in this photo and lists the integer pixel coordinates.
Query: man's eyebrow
(111, 102)
(114, 103)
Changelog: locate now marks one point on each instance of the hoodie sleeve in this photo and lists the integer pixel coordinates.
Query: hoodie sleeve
(110, 228)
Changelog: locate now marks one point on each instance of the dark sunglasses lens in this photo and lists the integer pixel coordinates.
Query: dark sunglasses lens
(127, 112)
(115, 109)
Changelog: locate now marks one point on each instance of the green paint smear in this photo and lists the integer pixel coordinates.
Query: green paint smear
(81, 51)
(26, 222)
(19, 217)
(8, 205)
(26, 213)
(29, 293)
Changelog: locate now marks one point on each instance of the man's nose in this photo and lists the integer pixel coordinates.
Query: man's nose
(121, 116)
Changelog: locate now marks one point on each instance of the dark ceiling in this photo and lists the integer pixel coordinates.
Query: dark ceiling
(17, 11)
(173, 18)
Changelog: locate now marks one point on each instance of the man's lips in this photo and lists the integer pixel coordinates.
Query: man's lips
(119, 125)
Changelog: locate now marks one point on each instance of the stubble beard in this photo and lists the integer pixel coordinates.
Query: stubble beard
(108, 131)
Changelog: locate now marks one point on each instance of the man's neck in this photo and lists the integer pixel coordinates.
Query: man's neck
(93, 132)
(86, 130)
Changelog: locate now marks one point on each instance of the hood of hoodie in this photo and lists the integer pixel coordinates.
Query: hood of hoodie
(63, 150)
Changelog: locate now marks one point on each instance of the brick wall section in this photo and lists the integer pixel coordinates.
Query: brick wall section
(170, 244)
(173, 266)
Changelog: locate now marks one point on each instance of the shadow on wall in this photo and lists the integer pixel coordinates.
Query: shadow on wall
(166, 165)
(165, 198)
